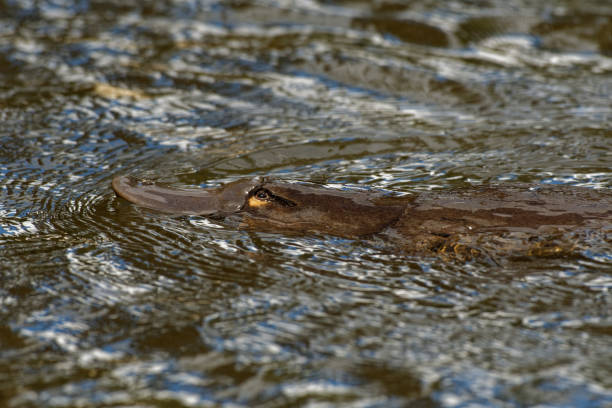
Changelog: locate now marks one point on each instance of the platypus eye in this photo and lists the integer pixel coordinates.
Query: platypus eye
(263, 195)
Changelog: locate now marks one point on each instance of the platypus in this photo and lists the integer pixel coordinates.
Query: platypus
(489, 220)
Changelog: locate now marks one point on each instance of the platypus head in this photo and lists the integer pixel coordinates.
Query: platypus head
(272, 206)
(309, 207)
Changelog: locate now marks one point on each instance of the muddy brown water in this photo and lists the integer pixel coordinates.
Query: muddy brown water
(106, 304)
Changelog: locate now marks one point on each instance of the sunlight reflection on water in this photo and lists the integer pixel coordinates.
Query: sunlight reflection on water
(102, 302)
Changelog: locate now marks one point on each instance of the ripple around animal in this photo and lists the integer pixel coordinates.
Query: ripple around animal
(103, 303)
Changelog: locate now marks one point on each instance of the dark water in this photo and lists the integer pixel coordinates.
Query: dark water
(106, 304)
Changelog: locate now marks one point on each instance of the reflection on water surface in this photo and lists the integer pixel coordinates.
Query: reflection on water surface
(106, 304)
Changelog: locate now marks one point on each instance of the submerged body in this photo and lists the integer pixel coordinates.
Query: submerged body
(490, 220)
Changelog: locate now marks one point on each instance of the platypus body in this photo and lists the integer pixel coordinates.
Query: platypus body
(464, 223)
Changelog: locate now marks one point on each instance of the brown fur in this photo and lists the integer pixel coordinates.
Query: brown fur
(493, 220)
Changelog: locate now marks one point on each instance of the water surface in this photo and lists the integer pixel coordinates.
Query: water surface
(106, 304)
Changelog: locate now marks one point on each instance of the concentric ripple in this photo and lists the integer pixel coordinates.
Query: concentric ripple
(103, 303)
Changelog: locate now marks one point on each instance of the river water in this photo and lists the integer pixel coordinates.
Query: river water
(106, 304)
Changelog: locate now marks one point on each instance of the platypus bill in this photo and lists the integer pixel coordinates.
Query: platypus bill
(510, 220)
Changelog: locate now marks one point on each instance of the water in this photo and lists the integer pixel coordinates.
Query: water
(106, 304)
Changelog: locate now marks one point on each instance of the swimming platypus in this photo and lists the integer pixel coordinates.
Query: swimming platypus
(484, 220)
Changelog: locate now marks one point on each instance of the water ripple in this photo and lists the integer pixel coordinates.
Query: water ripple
(104, 302)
